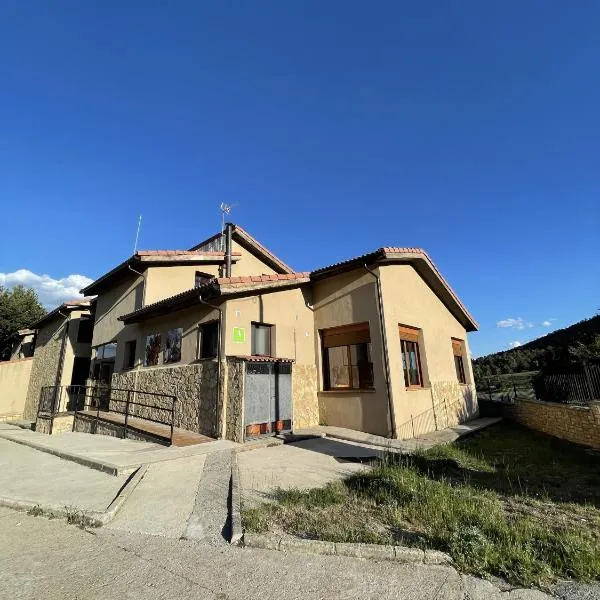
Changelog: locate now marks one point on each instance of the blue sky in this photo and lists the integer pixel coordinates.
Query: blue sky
(469, 128)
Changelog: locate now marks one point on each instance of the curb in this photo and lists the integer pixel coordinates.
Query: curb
(94, 518)
(237, 532)
(97, 465)
(400, 554)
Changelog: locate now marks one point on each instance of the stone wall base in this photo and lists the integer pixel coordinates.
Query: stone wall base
(54, 425)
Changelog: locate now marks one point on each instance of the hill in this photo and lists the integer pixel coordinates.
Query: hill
(560, 351)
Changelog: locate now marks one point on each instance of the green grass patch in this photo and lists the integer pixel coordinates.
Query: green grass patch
(505, 502)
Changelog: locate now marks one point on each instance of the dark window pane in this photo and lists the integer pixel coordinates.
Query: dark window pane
(85, 330)
(209, 340)
(460, 369)
(339, 375)
(410, 363)
(130, 348)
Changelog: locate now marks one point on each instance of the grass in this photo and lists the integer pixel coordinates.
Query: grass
(505, 502)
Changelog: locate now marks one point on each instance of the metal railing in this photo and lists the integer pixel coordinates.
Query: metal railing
(102, 401)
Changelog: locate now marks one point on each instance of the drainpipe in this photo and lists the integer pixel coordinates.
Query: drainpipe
(229, 230)
(219, 354)
(144, 278)
(386, 358)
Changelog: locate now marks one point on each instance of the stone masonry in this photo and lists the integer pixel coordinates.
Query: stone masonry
(45, 364)
(304, 396)
(234, 415)
(578, 424)
(195, 387)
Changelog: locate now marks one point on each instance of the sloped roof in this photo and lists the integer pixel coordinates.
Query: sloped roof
(422, 263)
(80, 303)
(240, 235)
(216, 288)
(146, 258)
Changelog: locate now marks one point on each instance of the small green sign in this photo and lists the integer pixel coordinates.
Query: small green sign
(239, 334)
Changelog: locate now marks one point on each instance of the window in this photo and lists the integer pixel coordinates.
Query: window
(261, 339)
(152, 350)
(106, 352)
(202, 278)
(172, 351)
(411, 359)
(129, 360)
(209, 340)
(85, 330)
(457, 350)
(347, 362)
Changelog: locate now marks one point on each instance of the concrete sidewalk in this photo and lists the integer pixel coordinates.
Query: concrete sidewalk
(434, 438)
(27, 475)
(108, 454)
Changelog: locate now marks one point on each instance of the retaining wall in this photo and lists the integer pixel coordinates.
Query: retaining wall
(577, 424)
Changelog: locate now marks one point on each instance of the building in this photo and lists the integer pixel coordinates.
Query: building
(377, 343)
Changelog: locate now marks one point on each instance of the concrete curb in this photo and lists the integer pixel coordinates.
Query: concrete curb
(91, 518)
(98, 465)
(400, 554)
(236, 503)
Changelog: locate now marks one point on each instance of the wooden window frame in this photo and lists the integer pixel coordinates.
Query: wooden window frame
(202, 329)
(410, 335)
(128, 343)
(344, 336)
(458, 351)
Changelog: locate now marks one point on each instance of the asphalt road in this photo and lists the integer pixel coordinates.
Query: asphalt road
(48, 559)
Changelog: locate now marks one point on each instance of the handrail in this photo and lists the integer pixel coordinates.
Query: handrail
(95, 396)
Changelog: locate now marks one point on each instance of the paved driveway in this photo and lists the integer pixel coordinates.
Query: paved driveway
(302, 465)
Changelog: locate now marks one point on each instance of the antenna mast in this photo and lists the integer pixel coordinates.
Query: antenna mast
(225, 210)
(137, 234)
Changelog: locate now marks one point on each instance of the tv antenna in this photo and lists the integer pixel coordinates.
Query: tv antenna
(137, 234)
(225, 210)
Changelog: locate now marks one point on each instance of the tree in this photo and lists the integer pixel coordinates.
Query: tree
(19, 308)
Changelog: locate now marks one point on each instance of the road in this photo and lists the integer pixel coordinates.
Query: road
(48, 559)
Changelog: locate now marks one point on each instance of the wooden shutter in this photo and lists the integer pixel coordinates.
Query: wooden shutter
(410, 334)
(357, 333)
(457, 347)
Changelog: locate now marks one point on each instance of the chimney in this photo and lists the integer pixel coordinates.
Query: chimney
(228, 232)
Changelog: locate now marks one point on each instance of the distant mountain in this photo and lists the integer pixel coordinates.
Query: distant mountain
(559, 351)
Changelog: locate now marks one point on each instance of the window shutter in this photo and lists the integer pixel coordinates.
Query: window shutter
(357, 333)
(410, 334)
(457, 347)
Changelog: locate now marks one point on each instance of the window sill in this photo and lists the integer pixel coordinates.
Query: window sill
(348, 391)
(417, 388)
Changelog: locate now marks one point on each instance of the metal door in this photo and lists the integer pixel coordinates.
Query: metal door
(267, 398)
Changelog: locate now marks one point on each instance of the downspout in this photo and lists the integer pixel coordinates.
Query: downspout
(220, 400)
(137, 367)
(386, 358)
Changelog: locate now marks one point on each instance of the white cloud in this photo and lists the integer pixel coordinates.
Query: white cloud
(517, 323)
(548, 322)
(51, 292)
(514, 344)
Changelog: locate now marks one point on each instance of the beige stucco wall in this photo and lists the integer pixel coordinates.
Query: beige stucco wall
(188, 320)
(247, 263)
(162, 282)
(342, 300)
(287, 310)
(408, 300)
(14, 380)
(114, 303)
